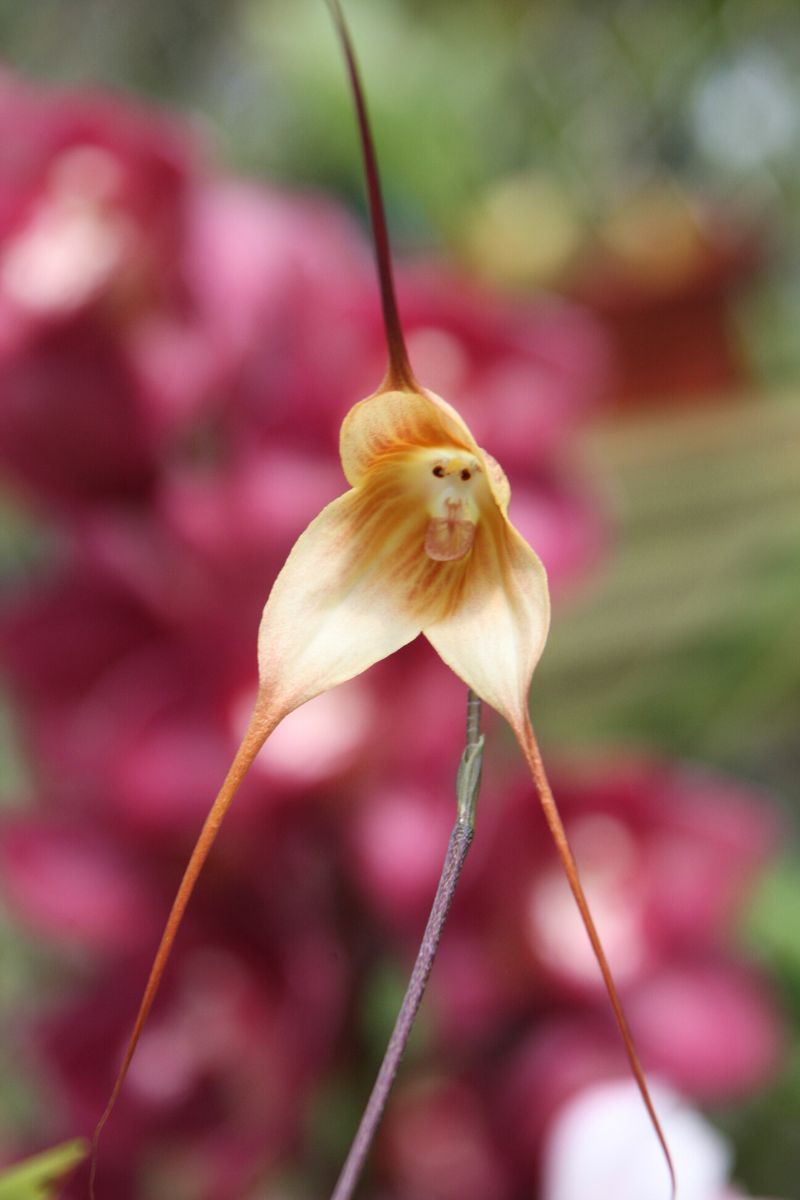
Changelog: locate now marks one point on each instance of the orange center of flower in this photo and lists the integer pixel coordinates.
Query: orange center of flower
(453, 483)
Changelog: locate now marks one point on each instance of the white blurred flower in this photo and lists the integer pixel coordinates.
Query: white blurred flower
(745, 113)
(602, 1146)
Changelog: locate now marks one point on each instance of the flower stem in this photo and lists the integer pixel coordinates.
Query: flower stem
(468, 783)
(399, 374)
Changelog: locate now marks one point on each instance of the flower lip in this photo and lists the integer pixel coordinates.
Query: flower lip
(450, 538)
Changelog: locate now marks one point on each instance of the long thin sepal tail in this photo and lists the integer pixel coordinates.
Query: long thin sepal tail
(399, 376)
(530, 749)
(258, 730)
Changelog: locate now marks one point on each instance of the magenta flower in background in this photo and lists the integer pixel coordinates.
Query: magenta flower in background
(92, 196)
(439, 1142)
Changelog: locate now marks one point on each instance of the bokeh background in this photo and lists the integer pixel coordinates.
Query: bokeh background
(594, 209)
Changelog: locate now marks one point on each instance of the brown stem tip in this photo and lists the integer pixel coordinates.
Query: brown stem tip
(399, 375)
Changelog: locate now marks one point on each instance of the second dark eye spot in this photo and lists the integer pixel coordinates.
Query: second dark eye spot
(465, 474)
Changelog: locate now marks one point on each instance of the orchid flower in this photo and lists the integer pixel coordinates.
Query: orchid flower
(420, 543)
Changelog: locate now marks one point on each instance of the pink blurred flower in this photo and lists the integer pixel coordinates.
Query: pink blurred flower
(278, 282)
(228, 1062)
(73, 426)
(667, 851)
(437, 1143)
(245, 1027)
(76, 884)
(92, 193)
(91, 196)
(713, 1028)
(713, 1031)
(398, 839)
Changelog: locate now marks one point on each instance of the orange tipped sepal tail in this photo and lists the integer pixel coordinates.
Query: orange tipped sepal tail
(261, 725)
(530, 748)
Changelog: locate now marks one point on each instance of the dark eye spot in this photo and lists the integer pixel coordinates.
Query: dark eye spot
(439, 472)
(465, 474)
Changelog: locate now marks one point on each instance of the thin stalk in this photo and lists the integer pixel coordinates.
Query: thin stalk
(468, 783)
(399, 374)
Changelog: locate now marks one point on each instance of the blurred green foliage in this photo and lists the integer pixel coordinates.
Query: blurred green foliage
(38, 1178)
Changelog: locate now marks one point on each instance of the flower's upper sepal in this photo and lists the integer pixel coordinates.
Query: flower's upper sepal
(391, 423)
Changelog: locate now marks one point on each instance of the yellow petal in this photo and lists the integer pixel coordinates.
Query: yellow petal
(493, 636)
(391, 423)
(356, 586)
